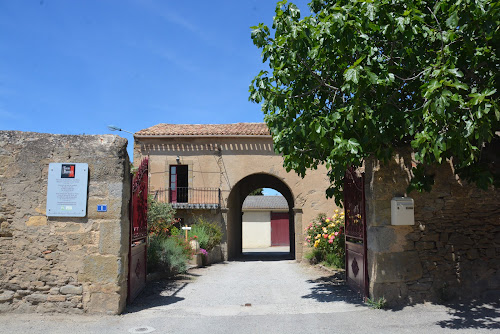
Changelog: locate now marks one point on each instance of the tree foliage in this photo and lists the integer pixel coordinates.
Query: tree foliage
(359, 78)
(257, 192)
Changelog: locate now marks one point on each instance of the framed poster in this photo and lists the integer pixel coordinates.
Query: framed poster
(67, 189)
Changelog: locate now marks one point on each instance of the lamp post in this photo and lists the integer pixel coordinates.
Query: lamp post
(115, 128)
(129, 147)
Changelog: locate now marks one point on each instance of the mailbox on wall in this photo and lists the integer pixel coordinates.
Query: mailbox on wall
(402, 211)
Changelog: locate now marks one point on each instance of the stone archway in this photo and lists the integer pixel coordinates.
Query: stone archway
(223, 161)
(234, 212)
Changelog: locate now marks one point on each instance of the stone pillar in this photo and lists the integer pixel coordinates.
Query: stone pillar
(225, 230)
(224, 226)
(450, 251)
(63, 264)
(299, 234)
(391, 258)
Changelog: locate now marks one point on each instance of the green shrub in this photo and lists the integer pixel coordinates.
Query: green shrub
(174, 231)
(334, 260)
(200, 233)
(377, 304)
(160, 217)
(168, 254)
(315, 256)
(153, 253)
(209, 234)
(326, 236)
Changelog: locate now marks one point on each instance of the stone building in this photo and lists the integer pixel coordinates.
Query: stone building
(208, 170)
(451, 249)
(265, 222)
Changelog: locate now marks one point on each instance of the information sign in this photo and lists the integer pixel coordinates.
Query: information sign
(67, 189)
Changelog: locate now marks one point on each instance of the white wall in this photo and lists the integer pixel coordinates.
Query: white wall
(256, 229)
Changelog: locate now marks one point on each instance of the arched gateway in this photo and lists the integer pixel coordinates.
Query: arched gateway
(208, 170)
(235, 203)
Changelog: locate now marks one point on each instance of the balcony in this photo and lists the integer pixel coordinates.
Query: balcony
(189, 198)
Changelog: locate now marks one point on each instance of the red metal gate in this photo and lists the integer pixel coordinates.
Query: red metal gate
(280, 235)
(355, 231)
(138, 232)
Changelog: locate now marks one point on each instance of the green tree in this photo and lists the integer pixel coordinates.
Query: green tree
(359, 78)
(257, 192)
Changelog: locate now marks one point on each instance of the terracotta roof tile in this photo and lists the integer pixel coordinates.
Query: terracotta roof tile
(235, 129)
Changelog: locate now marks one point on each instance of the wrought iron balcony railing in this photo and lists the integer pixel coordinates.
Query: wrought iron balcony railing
(189, 198)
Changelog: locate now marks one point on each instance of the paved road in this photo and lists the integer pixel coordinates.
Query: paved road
(254, 296)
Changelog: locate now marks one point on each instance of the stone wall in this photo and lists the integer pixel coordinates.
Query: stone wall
(61, 264)
(453, 249)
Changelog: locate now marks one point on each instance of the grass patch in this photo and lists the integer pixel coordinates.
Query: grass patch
(377, 304)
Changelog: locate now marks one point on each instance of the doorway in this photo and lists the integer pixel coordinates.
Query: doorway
(234, 215)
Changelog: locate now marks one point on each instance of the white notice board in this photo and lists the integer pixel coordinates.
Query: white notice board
(67, 189)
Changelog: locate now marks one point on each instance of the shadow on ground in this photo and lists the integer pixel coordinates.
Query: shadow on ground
(332, 288)
(160, 292)
(473, 315)
(467, 314)
(264, 256)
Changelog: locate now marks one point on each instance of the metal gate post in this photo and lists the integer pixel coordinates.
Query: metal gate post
(355, 232)
(138, 232)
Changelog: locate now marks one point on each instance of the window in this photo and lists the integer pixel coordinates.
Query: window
(178, 184)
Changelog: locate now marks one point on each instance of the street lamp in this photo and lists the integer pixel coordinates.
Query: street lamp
(115, 128)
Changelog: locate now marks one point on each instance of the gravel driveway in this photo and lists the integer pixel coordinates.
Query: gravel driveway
(254, 296)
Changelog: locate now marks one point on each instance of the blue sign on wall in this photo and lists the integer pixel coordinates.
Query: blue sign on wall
(102, 207)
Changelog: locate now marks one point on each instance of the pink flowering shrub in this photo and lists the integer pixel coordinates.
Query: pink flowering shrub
(326, 236)
(203, 252)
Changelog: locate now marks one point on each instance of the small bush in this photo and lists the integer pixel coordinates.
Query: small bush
(334, 260)
(160, 218)
(378, 304)
(209, 234)
(174, 231)
(168, 254)
(199, 233)
(326, 236)
(315, 256)
(153, 253)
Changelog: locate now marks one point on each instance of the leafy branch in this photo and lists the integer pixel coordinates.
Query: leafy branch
(360, 79)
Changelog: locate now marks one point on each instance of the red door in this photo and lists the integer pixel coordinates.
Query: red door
(173, 184)
(280, 235)
(179, 184)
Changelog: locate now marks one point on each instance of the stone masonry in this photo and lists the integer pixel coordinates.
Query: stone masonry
(235, 159)
(453, 249)
(63, 264)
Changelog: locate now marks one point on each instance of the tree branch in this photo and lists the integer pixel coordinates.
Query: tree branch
(411, 78)
(305, 93)
(321, 80)
(440, 29)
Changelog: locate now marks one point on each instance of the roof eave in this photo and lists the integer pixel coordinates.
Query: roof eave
(200, 136)
(265, 209)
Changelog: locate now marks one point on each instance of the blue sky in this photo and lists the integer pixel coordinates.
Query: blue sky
(74, 67)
